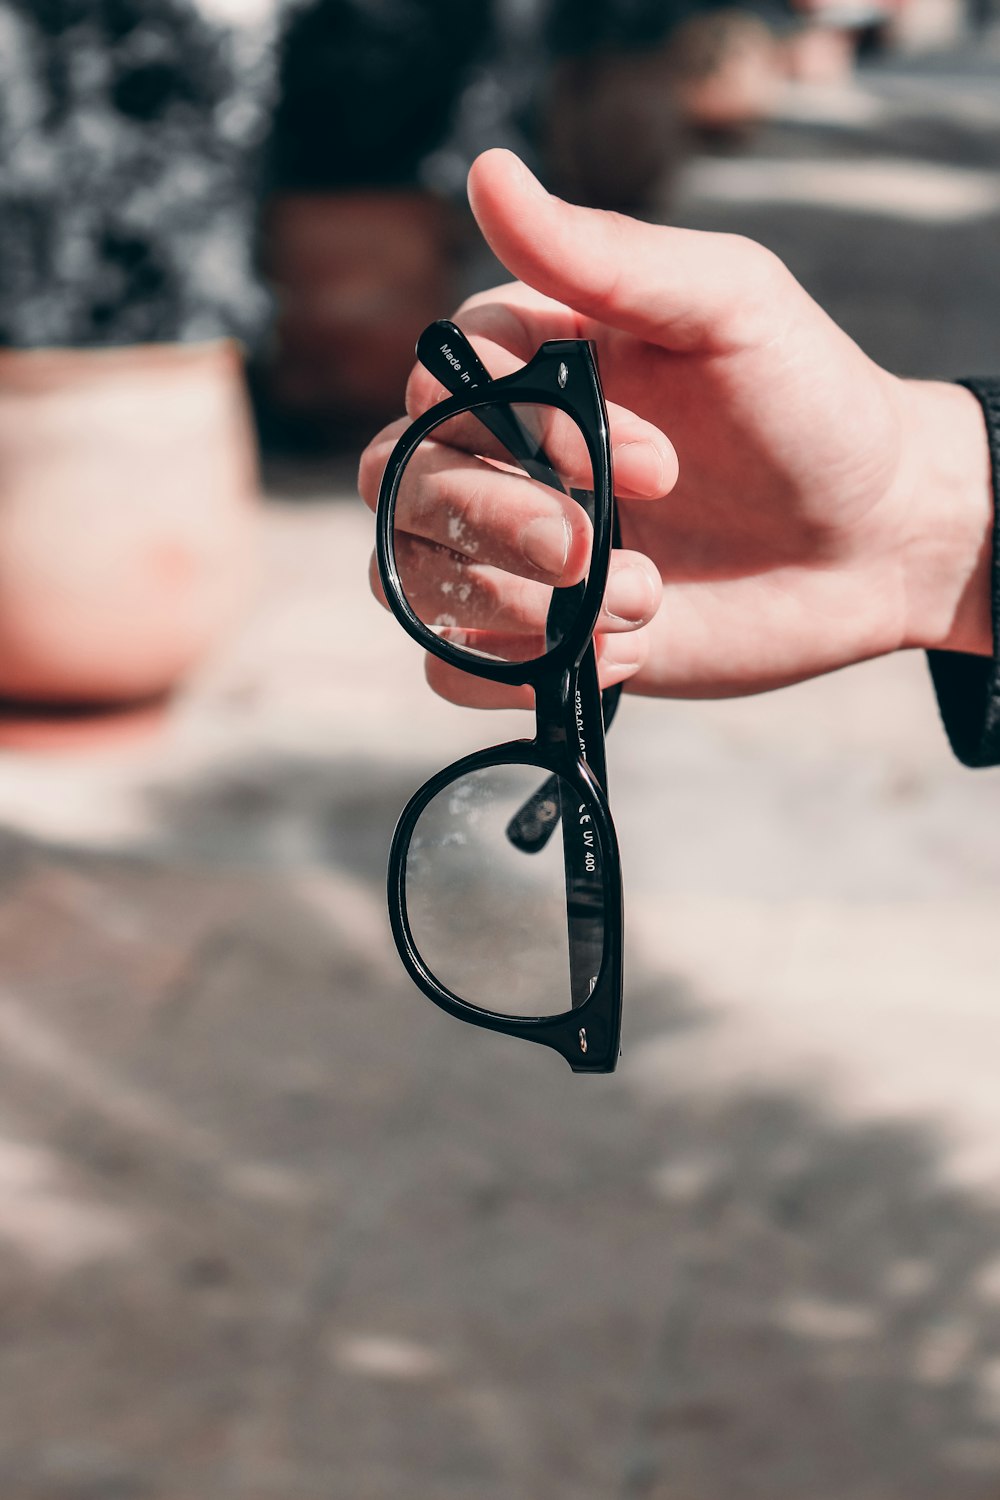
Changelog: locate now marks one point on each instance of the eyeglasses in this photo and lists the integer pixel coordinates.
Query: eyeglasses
(497, 921)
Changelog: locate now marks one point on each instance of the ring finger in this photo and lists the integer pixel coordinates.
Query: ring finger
(446, 591)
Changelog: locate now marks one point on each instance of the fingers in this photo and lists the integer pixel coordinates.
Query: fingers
(619, 657)
(374, 458)
(449, 592)
(643, 461)
(501, 519)
(645, 464)
(685, 289)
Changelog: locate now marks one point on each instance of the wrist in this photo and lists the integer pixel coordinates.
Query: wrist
(949, 519)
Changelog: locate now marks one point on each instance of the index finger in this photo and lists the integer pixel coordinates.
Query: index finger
(644, 458)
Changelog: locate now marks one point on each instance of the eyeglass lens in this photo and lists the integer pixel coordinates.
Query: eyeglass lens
(477, 539)
(516, 933)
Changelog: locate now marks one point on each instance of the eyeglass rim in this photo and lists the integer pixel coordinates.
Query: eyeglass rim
(600, 1015)
(593, 424)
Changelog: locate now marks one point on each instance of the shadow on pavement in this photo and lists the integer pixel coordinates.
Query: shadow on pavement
(272, 1226)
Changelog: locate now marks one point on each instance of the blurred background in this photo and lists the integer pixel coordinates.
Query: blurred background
(270, 1224)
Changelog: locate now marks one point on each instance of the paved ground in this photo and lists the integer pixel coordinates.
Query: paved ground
(271, 1227)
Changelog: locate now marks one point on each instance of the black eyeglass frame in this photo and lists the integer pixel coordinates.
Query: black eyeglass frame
(563, 374)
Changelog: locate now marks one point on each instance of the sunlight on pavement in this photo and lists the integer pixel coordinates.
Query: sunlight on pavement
(914, 190)
(884, 1010)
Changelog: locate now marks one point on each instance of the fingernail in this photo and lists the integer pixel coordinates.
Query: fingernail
(629, 597)
(646, 470)
(545, 542)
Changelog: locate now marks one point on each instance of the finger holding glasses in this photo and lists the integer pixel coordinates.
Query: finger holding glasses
(535, 950)
(481, 544)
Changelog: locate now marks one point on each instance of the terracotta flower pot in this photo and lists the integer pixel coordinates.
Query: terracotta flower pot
(127, 487)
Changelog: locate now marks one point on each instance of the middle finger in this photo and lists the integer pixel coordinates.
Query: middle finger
(496, 516)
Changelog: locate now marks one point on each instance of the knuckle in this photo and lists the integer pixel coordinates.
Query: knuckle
(373, 460)
(444, 680)
(375, 582)
(370, 468)
(427, 508)
(422, 392)
(760, 294)
(486, 598)
(491, 317)
(456, 506)
(769, 269)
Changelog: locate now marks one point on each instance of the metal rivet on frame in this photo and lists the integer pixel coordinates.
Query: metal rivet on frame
(583, 1038)
(562, 377)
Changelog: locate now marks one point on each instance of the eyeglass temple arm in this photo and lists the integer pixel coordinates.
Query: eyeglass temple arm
(445, 352)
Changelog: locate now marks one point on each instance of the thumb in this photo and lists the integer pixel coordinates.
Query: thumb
(682, 288)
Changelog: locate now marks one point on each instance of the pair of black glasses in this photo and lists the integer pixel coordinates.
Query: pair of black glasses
(499, 921)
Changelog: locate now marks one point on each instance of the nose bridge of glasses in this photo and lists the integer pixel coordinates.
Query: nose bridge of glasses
(574, 718)
(554, 693)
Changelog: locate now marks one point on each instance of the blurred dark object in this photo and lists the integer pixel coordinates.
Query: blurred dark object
(633, 79)
(818, 54)
(982, 15)
(610, 129)
(357, 275)
(575, 28)
(126, 517)
(368, 88)
(361, 257)
(130, 133)
(726, 69)
(611, 132)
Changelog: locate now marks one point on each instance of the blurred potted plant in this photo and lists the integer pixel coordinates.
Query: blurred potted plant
(361, 256)
(632, 83)
(129, 132)
(609, 127)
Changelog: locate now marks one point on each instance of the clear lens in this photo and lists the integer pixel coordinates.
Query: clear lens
(470, 549)
(514, 932)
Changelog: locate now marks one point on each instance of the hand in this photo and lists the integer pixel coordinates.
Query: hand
(787, 507)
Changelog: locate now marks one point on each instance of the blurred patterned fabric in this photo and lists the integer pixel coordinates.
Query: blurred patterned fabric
(130, 142)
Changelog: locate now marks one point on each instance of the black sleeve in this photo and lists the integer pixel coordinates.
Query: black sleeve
(968, 687)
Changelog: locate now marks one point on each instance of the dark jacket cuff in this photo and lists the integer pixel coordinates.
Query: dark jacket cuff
(968, 687)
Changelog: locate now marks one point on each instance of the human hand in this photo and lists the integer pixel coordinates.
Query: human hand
(818, 511)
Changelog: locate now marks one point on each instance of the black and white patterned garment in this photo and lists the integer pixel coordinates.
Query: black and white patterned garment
(130, 140)
(134, 135)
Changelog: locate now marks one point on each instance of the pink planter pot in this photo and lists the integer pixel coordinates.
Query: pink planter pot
(128, 481)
